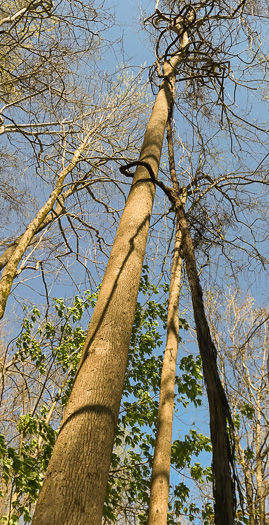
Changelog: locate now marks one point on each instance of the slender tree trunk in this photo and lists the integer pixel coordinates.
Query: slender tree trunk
(249, 496)
(223, 487)
(75, 484)
(248, 481)
(5, 499)
(260, 506)
(159, 493)
(51, 217)
(162, 454)
(17, 250)
(223, 460)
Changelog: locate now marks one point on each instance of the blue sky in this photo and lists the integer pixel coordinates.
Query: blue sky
(136, 50)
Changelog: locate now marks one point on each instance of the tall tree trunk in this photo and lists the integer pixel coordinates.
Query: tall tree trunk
(19, 247)
(162, 454)
(260, 502)
(5, 498)
(248, 481)
(75, 484)
(249, 496)
(223, 456)
(51, 217)
(159, 492)
(223, 487)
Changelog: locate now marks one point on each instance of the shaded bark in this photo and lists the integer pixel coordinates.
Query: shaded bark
(249, 497)
(75, 484)
(222, 438)
(223, 488)
(243, 350)
(223, 460)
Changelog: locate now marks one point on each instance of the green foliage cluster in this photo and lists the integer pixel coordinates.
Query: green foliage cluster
(52, 348)
(47, 348)
(24, 468)
(130, 473)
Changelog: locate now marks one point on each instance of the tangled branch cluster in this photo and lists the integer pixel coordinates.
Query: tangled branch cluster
(204, 61)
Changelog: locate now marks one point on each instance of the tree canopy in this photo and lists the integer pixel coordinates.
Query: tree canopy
(95, 187)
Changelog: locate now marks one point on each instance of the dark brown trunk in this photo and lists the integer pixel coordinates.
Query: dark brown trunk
(218, 406)
(223, 457)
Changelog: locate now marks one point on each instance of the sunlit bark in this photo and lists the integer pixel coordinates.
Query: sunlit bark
(76, 479)
(25, 239)
(162, 454)
(159, 492)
